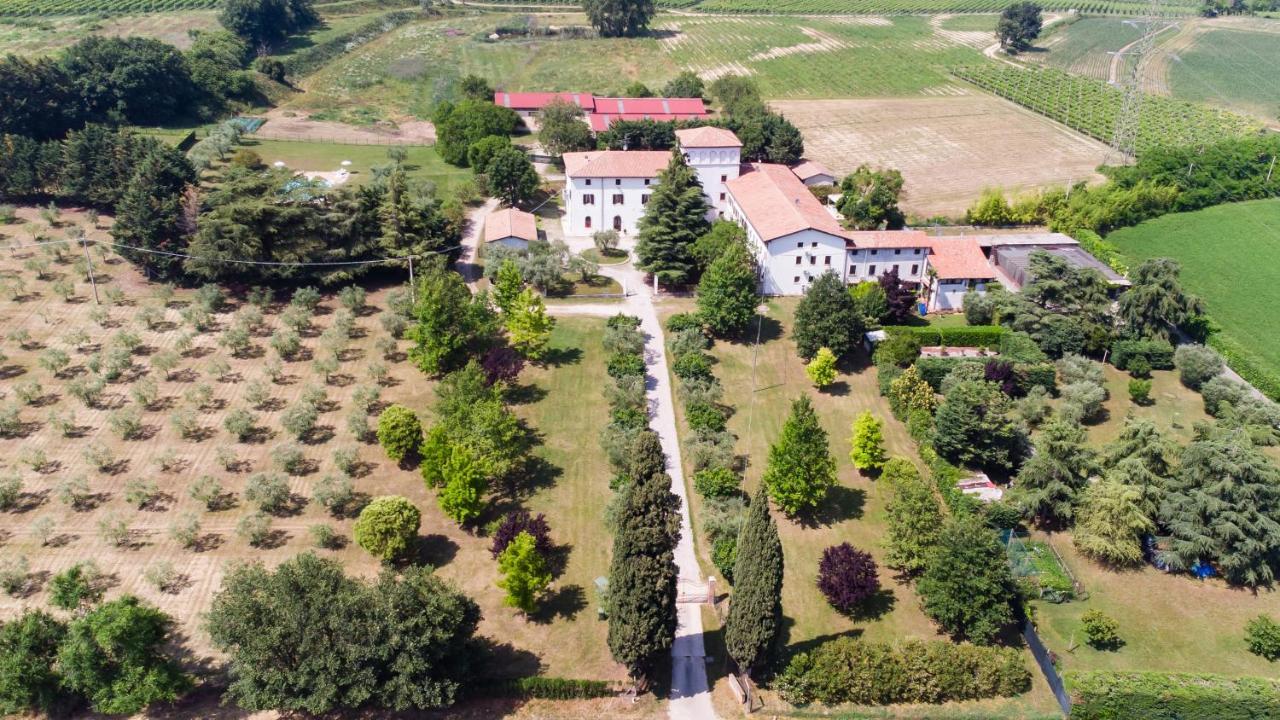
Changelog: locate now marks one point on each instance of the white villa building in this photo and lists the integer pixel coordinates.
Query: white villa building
(795, 237)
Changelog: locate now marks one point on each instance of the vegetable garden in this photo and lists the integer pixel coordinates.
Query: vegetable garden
(1091, 106)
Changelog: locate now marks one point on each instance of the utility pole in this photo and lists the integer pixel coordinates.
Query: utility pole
(84, 244)
(1124, 139)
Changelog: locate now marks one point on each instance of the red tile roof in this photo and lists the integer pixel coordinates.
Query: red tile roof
(777, 204)
(510, 223)
(537, 100)
(707, 137)
(888, 238)
(958, 258)
(601, 121)
(616, 163)
(650, 106)
(809, 168)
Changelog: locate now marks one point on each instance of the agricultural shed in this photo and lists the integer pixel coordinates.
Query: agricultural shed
(1015, 261)
(510, 227)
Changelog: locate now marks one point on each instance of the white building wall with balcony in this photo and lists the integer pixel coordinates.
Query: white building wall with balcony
(593, 204)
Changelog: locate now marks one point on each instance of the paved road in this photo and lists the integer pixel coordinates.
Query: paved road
(690, 697)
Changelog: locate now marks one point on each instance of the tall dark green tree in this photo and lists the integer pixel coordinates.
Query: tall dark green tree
(755, 610)
(727, 292)
(113, 656)
(1222, 508)
(134, 80)
(967, 586)
(1049, 484)
(914, 522)
(1018, 26)
(673, 220)
(1141, 457)
(869, 199)
(642, 576)
(40, 100)
(619, 18)
(149, 216)
(975, 426)
(801, 469)
(1157, 304)
(28, 653)
(263, 23)
(827, 317)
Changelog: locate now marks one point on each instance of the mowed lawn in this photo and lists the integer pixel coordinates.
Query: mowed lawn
(760, 383)
(1225, 67)
(423, 163)
(1230, 256)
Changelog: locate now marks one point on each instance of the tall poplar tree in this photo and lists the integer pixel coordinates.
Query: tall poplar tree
(801, 469)
(642, 576)
(674, 218)
(755, 610)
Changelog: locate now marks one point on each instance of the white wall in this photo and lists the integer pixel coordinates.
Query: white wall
(711, 165)
(604, 209)
(949, 294)
(871, 263)
(512, 242)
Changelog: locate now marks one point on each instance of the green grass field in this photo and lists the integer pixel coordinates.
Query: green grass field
(1230, 256)
(413, 67)
(423, 162)
(1232, 68)
(1082, 47)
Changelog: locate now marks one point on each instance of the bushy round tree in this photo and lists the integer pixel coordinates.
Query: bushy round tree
(399, 432)
(387, 527)
(847, 577)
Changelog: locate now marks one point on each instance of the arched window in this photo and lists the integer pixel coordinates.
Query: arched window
(617, 222)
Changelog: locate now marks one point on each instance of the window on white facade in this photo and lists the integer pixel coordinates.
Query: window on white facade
(617, 198)
(721, 197)
(871, 270)
(587, 222)
(826, 260)
(724, 178)
(813, 259)
(915, 269)
(897, 251)
(588, 181)
(644, 199)
(646, 181)
(617, 182)
(588, 199)
(795, 279)
(813, 244)
(873, 252)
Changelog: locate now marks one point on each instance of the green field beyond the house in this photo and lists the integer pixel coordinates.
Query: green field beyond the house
(1230, 257)
(422, 163)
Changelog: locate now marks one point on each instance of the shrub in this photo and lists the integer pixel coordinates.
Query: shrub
(1102, 631)
(10, 490)
(207, 491)
(1197, 365)
(324, 537)
(399, 432)
(512, 524)
(1262, 635)
(289, 458)
(1157, 353)
(1082, 401)
(140, 492)
(13, 574)
(75, 586)
(822, 369)
(987, 336)
(254, 528)
(387, 527)
(1140, 391)
(692, 365)
(625, 364)
(702, 417)
(724, 555)
(682, 321)
(268, 491)
(847, 577)
(852, 670)
(186, 530)
(717, 482)
(1117, 694)
(240, 423)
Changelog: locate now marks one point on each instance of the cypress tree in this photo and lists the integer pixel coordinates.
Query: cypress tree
(646, 458)
(674, 218)
(914, 519)
(801, 468)
(642, 576)
(755, 611)
(727, 292)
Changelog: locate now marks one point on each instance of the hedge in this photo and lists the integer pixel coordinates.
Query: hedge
(546, 688)
(853, 670)
(1171, 696)
(1043, 374)
(1019, 347)
(987, 336)
(1248, 365)
(1157, 352)
(935, 369)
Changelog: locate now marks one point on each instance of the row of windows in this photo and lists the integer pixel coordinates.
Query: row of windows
(618, 199)
(826, 260)
(618, 181)
(874, 251)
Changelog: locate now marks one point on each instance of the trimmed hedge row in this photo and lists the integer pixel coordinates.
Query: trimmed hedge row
(853, 670)
(960, 336)
(1157, 352)
(546, 688)
(1247, 364)
(1171, 696)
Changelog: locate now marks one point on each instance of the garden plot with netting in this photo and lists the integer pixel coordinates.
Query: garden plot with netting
(1092, 106)
(1039, 568)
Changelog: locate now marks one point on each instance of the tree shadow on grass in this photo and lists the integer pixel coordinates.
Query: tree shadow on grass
(435, 550)
(525, 394)
(761, 327)
(565, 602)
(512, 661)
(875, 607)
(838, 388)
(842, 503)
(556, 357)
